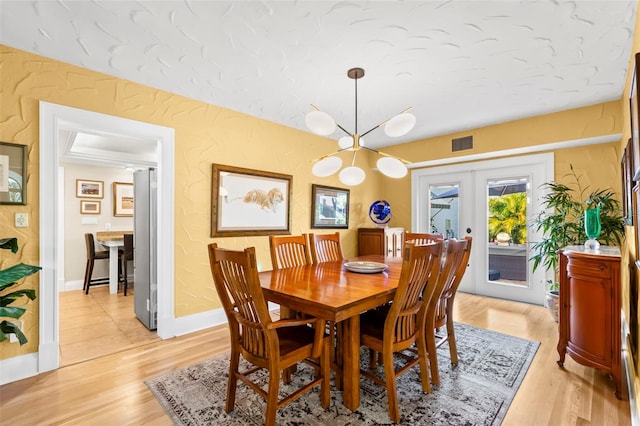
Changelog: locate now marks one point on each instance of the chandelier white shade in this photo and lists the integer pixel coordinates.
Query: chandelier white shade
(327, 166)
(400, 125)
(321, 123)
(392, 167)
(352, 176)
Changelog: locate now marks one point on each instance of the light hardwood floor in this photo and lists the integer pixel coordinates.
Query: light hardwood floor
(110, 390)
(97, 324)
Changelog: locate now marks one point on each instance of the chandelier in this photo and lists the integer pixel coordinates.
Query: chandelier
(321, 123)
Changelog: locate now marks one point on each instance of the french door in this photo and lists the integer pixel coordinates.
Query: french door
(494, 202)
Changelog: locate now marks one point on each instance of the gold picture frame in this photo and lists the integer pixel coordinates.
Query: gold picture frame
(249, 202)
(89, 188)
(122, 199)
(90, 207)
(13, 174)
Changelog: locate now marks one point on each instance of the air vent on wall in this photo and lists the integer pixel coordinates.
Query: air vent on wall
(460, 144)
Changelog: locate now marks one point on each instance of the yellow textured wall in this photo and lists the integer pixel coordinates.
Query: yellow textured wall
(596, 120)
(204, 134)
(629, 250)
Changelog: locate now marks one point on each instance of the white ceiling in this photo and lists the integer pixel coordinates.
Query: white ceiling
(459, 64)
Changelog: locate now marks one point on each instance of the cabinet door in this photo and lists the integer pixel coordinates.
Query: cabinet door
(589, 317)
(370, 241)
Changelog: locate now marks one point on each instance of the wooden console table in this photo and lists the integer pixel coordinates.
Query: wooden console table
(590, 309)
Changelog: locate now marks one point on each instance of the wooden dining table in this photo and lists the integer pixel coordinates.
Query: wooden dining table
(113, 240)
(331, 292)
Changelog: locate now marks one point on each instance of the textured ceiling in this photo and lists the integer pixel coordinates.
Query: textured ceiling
(459, 64)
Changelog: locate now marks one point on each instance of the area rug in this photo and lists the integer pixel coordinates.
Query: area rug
(476, 392)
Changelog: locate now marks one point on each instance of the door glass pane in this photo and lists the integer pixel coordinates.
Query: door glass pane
(443, 210)
(507, 231)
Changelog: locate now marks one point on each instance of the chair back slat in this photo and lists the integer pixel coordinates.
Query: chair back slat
(420, 270)
(325, 247)
(236, 279)
(289, 251)
(421, 239)
(455, 265)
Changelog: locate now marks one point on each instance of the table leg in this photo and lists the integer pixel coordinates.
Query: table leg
(113, 269)
(351, 363)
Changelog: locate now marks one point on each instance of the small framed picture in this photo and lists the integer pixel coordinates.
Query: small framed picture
(13, 173)
(89, 207)
(122, 199)
(329, 207)
(89, 188)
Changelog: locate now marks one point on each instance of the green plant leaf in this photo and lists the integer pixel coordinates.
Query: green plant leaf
(9, 243)
(7, 327)
(9, 276)
(7, 299)
(562, 219)
(12, 311)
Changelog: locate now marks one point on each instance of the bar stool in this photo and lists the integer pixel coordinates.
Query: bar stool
(93, 255)
(125, 256)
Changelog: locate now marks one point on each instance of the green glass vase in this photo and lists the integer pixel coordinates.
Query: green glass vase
(592, 228)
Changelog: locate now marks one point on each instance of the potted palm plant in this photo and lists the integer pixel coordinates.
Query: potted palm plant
(8, 278)
(561, 220)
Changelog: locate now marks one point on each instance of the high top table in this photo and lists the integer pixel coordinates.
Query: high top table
(329, 291)
(113, 240)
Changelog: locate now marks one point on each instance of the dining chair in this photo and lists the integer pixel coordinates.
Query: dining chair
(325, 247)
(125, 256)
(422, 238)
(267, 344)
(288, 251)
(399, 327)
(440, 310)
(92, 256)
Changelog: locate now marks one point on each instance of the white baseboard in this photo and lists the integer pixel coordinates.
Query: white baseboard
(72, 285)
(18, 368)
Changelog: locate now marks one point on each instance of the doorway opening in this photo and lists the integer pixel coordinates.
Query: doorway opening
(53, 119)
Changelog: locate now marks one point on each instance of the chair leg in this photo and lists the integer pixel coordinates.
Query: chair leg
(430, 337)
(372, 359)
(89, 274)
(124, 276)
(451, 334)
(392, 392)
(272, 397)
(337, 353)
(424, 368)
(234, 363)
(87, 277)
(325, 363)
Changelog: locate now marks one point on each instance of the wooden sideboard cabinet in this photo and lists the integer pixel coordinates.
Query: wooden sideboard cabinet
(371, 241)
(589, 322)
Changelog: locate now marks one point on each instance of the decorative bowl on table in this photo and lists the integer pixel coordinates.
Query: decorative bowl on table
(365, 267)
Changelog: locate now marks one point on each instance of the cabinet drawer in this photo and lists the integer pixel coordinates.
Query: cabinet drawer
(589, 268)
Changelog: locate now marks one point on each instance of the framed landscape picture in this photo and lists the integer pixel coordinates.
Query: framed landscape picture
(329, 207)
(89, 188)
(89, 207)
(122, 199)
(249, 202)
